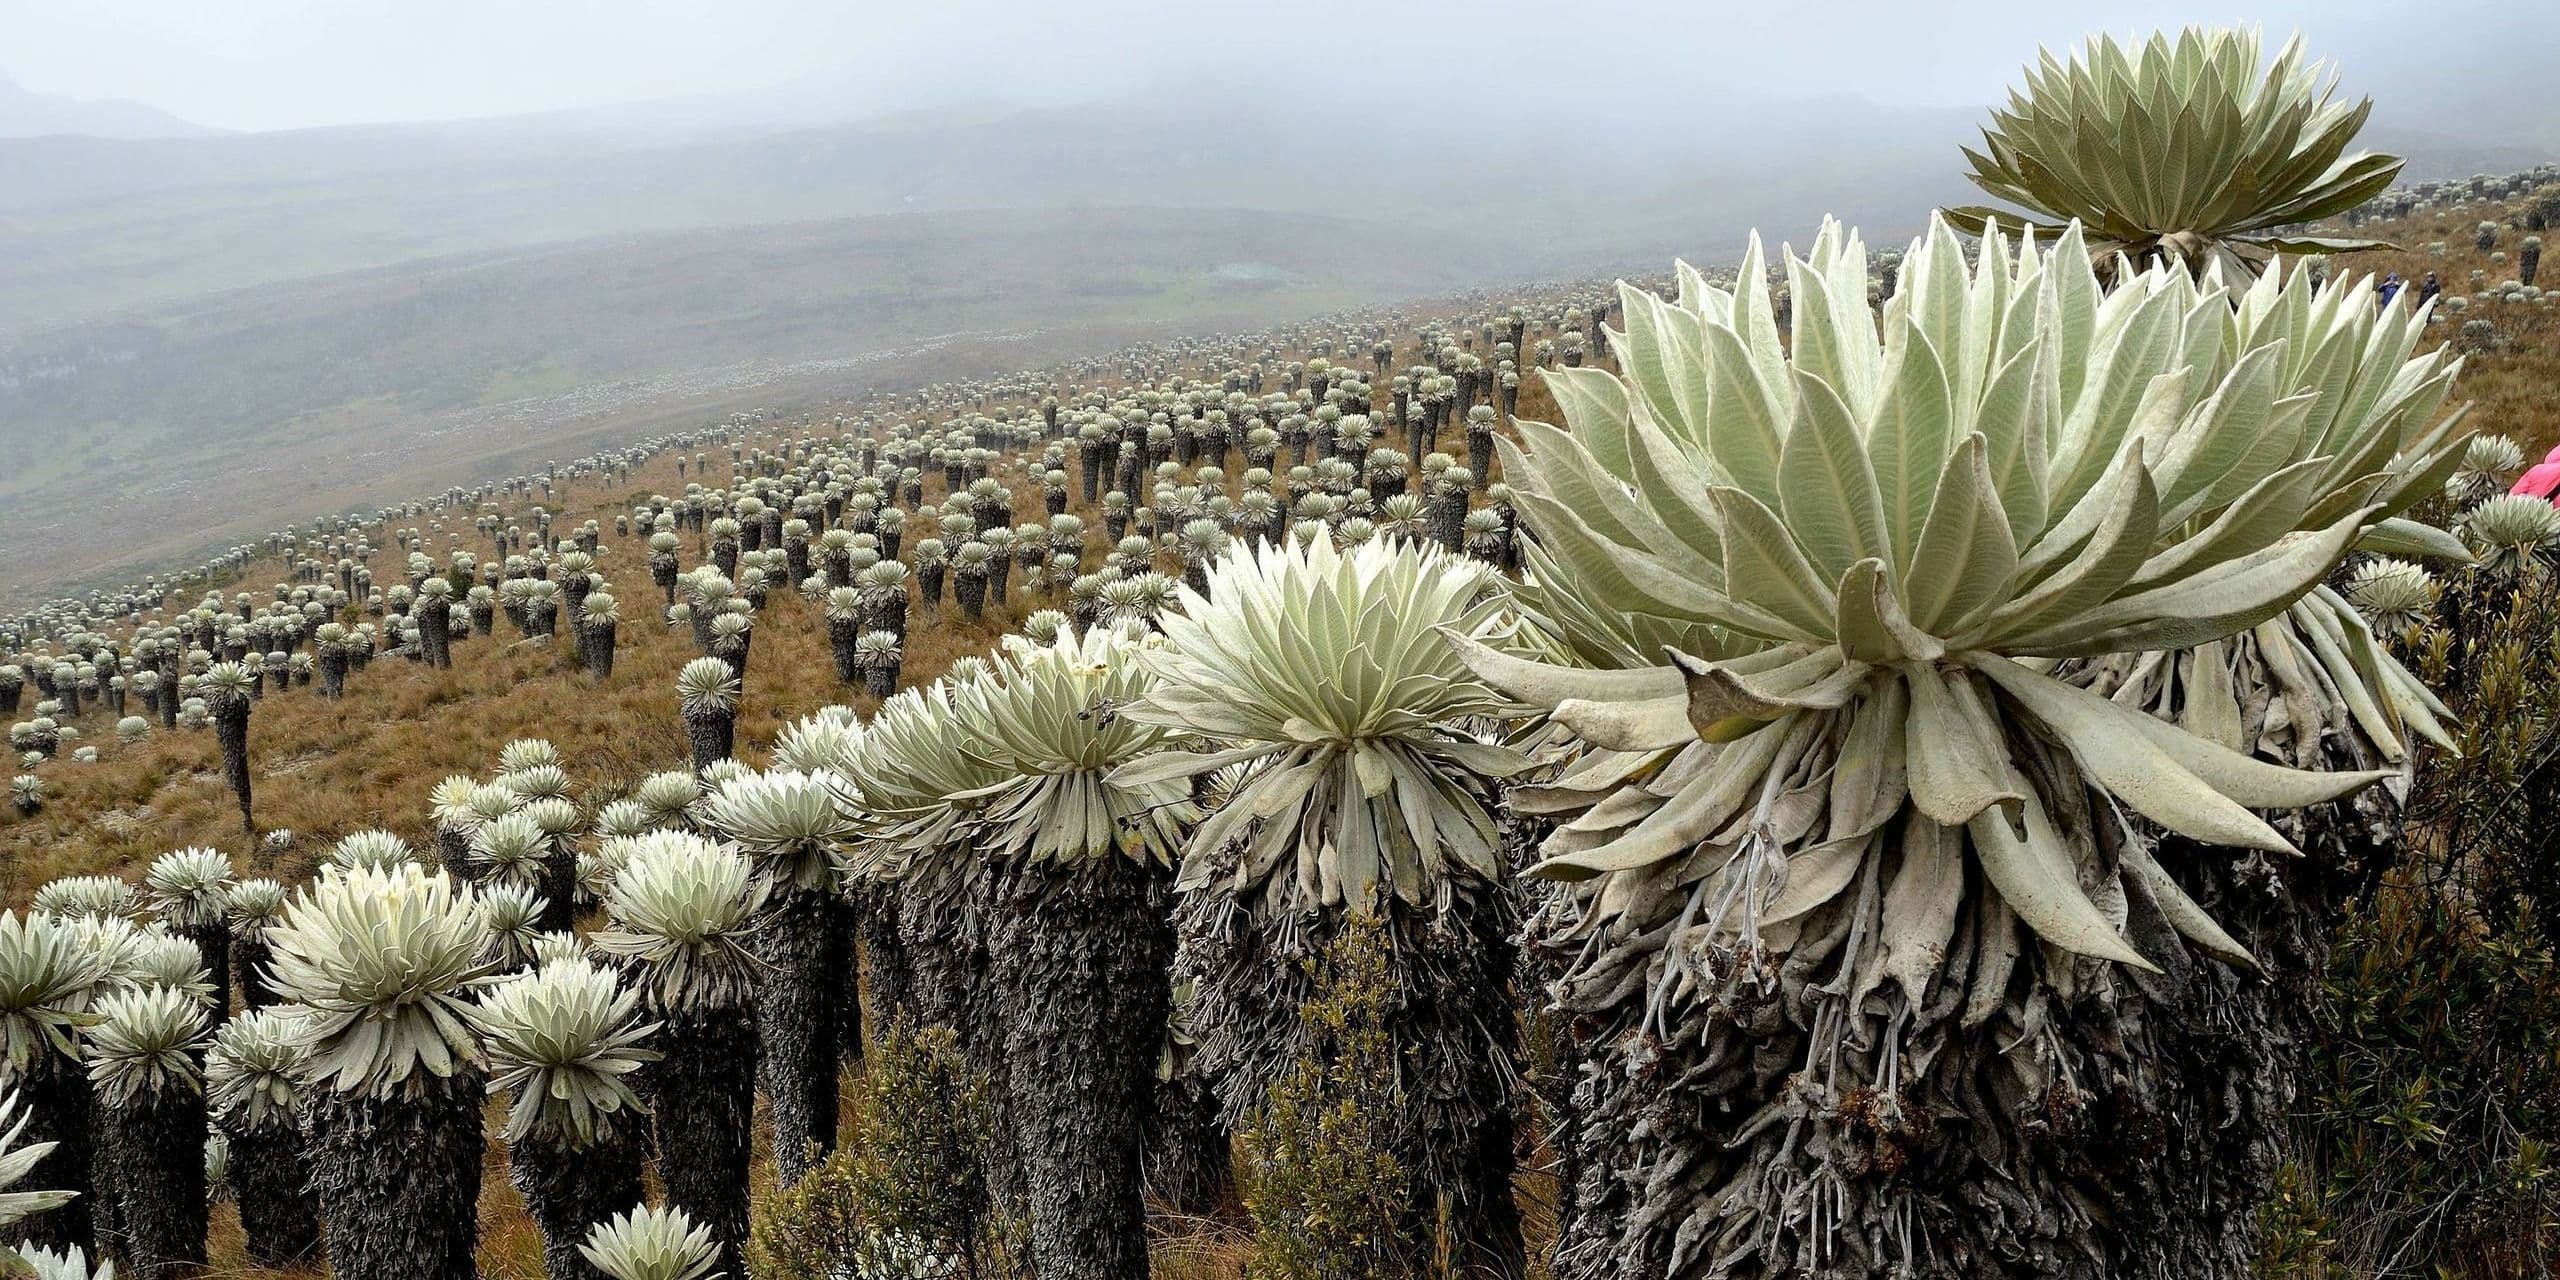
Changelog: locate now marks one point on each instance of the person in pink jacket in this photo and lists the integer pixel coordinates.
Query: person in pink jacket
(2541, 479)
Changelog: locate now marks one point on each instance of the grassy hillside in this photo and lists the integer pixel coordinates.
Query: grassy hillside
(239, 413)
(324, 769)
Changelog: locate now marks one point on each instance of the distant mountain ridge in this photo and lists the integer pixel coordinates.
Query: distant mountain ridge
(25, 113)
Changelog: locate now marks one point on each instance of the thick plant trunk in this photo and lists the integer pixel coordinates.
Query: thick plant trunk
(231, 725)
(2228, 1051)
(704, 1095)
(713, 736)
(399, 1179)
(940, 915)
(943, 919)
(213, 942)
(559, 892)
(880, 679)
(1452, 1027)
(453, 851)
(2032, 1115)
(55, 1094)
(435, 634)
(595, 644)
(807, 950)
(888, 993)
(1079, 954)
(841, 633)
(568, 1189)
(158, 1145)
(249, 956)
(1190, 1151)
(271, 1181)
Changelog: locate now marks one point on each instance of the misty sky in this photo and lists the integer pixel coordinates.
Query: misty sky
(270, 64)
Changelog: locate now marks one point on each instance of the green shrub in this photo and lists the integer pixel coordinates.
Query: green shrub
(2429, 1132)
(2426, 1138)
(906, 1194)
(1326, 1195)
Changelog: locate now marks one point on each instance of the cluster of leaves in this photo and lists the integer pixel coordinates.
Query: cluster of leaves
(2192, 148)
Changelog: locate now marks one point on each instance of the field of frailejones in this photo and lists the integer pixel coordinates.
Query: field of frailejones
(2398, 1140)
(322, 769)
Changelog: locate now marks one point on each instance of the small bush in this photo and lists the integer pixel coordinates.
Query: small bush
(2426, 1139)
(1327, 1197)
(905, 1197)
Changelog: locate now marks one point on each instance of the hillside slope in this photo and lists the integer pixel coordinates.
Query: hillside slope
(234, 415)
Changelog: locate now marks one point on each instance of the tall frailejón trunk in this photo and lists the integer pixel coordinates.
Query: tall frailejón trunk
(568, 1189)
(807, 948)
(398, 1178)
(1079, 953)
(1454, 1028)
(270, 1180)
(703, 1094)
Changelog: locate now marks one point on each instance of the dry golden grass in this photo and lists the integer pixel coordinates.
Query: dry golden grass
(321, 769)
(2512, 388)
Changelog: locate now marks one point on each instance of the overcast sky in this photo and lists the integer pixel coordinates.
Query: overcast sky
(270, 64)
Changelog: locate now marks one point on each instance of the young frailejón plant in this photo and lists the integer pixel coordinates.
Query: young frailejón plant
(599, 622)
(654, 1244)
(1833, 810)
(707, 692)
(191, 889)
(788, 824)
(383, 963)
(253, 907)
(1323, 674)
(250, 1084)
(566, 1040)
(680, 921)
(2191, 150)
(1080, 941)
